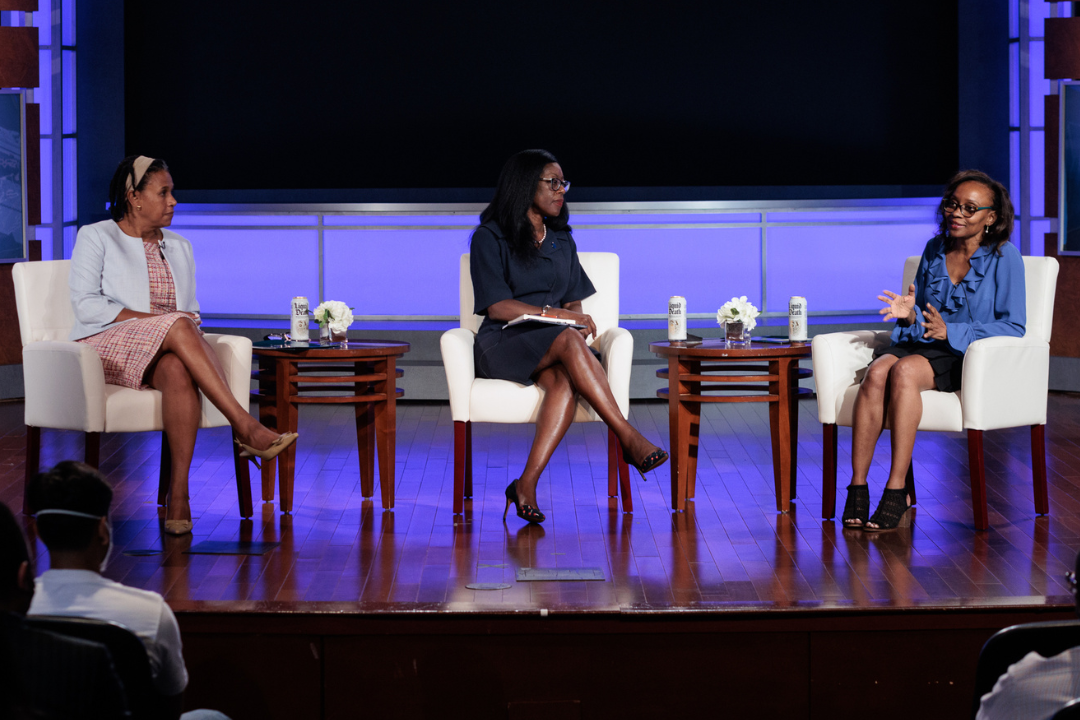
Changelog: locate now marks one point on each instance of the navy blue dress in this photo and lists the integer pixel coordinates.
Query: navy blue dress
(555, 278)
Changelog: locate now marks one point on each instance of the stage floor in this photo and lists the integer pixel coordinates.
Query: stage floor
(730, 551)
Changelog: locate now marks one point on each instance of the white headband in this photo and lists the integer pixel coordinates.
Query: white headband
(58, 511)
(138, 169)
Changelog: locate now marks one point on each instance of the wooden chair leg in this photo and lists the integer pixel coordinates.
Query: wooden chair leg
(978, 479)
(624, 479)
(828, 471)
(33, 461)
(243, 481)
(92, 452)
(460, 433)
(1038, 468)
(165, 475)
(468, 460)
(612, 464)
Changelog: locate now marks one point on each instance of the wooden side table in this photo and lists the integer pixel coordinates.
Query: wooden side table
(364, 371)
(773, 367)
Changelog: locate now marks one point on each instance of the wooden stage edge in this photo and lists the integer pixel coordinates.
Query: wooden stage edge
(341, 662)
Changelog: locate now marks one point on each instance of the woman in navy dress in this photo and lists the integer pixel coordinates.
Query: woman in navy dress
(969, 285)
(523, 260)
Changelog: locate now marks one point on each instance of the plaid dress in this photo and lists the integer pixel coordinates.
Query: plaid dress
(126, 349)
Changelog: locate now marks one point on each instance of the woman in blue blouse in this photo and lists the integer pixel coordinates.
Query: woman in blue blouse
(969, 285)
(523, 260)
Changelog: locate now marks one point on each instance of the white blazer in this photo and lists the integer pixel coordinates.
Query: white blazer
(109, 273)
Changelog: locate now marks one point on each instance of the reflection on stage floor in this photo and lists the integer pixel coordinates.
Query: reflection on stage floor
(730, 550)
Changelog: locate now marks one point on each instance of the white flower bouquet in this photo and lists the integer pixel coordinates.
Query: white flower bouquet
(738, 309)
(335, 315)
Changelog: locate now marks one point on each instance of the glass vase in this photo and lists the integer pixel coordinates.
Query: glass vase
(326, 335)
(735, 332)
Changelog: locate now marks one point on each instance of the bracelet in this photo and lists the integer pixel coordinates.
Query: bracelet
(547, 310)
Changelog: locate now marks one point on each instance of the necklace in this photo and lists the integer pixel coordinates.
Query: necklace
(540, 242)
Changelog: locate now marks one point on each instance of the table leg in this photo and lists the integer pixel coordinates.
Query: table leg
(793, 419)
(679, 430)
(268, 417)
(386, 429)
(287, 417)
(780, 430)
(365, 434)
(693, 410)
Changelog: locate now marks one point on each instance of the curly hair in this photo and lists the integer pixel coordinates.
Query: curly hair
(514, 195)
(997, 234)
(118, 202)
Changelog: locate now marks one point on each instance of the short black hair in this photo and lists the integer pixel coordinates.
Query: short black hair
(514, 195)
(118, 203)
(69, 486)
(13, 553)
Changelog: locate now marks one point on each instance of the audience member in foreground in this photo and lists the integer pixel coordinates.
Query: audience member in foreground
(523, 261)
(969, 286)
(1036, 687)
(71, 507)
(133, 294)
(42, 674)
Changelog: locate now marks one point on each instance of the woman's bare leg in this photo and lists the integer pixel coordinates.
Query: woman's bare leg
(186, 342)
(907, 379)
(589, 380)
(556, 414)
(869, 417)
(180, 413)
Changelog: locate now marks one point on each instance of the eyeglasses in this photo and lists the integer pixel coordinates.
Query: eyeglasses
(556, 183)
(966, 210)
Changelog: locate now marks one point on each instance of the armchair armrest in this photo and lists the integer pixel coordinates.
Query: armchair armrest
(839, 360)
(64, 385)
(234, 354)
(1005, 383)
(616, 346)
(457, 354)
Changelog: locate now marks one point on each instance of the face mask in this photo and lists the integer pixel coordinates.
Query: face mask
(73, 513)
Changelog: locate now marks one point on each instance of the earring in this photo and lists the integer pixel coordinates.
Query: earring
(989, 230)
(138, 207)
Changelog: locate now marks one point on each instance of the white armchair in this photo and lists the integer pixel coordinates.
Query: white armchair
(1005, 383)
(475, 399)
(65, 383)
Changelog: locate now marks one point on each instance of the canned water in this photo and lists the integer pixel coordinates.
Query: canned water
(298, 327)
(797, 319)
(676, 318)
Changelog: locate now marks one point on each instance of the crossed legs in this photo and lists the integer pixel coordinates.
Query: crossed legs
(569, 369)
(891, 389)
(185, 365)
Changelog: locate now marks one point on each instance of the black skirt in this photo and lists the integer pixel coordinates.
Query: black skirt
(948, 367)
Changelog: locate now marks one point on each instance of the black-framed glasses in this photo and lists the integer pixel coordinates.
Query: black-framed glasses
(967, 210)
(556, 183)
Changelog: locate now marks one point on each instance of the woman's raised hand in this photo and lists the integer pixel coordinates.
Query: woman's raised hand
(900, 307)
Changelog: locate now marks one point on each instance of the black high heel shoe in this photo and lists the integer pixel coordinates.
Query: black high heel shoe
(857, 506)
(651, 461)
(891, 512)
(524, 510)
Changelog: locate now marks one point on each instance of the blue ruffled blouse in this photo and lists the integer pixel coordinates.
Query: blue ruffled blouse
(990, 300)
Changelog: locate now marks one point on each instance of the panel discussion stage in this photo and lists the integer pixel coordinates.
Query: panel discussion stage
(728, 605)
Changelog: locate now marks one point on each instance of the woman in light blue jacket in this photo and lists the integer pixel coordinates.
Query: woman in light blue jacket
(969, 285)
(133, 293)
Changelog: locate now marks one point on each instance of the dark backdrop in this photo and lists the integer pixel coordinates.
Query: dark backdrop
(268, 95)
(105, 82)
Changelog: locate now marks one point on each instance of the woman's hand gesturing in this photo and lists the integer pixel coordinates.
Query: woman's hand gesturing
(900, 307)
(935, 325)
